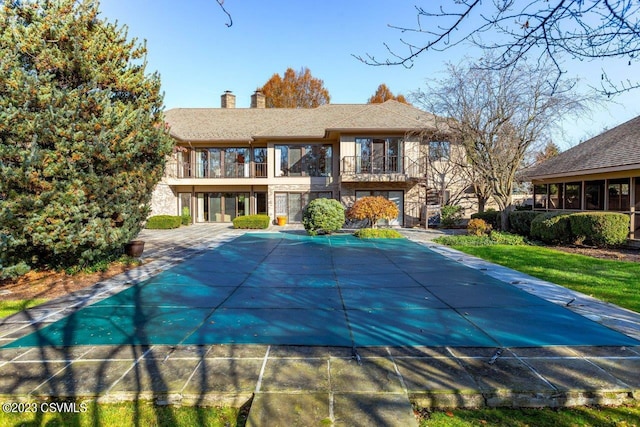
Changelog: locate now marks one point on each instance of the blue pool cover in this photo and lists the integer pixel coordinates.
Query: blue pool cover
(290, 289)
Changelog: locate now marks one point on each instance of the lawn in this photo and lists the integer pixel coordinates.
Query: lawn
(124, 414)
(626, 416)
(7, 308)
(617, 282)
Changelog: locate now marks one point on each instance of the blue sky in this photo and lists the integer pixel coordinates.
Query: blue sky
(199, 57)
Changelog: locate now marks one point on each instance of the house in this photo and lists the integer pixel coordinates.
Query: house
(600, 174)
(238, 161)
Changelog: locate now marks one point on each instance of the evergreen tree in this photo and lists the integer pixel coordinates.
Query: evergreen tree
(82, 136)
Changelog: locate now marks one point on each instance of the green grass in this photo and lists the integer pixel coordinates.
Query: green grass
(7, 308)
(378, 233)
(623, 416)
(611, 281)
(128, 414)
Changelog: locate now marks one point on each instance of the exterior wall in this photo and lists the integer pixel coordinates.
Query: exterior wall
(412, 182)
(164, 201)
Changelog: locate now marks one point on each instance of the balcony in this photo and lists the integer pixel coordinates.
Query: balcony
(186, 170)
(381, 169)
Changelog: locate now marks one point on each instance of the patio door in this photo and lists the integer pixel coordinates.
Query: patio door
(377, 156)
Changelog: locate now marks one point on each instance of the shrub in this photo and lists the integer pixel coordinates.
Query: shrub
(600, 228)
(490, 216)
(520, 221)
(377, 233)
(495, 238)
(503, 238)
(373, 209)
(163, 222)
(477, 227)
(552, 227)
(186, 216)
(450, 215)
(13, 271)
(258, 222)
(323, 216)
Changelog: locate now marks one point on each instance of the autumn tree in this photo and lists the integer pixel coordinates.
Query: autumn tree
(549, 151)
(295, 90)
(499, 115)
(548, 31)
(373, 209)
(383, 93)
(82, 136)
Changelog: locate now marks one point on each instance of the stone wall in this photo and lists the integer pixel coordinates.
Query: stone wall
(163, 200)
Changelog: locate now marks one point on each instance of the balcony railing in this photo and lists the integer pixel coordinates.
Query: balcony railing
(228, 170)
(386, 165)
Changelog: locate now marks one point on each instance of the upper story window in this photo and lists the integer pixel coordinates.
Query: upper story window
(222, 163)
(303, 160)
(439, 150)
(379, 155)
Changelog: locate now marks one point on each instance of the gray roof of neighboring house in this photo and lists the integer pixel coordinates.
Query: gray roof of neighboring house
(245, 124)
(615, 149)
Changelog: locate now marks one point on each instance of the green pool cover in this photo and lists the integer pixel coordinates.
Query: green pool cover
(289, 289)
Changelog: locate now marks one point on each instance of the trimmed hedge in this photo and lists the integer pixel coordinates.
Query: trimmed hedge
(552, 227)
(600, 228)
(520, 221)
(323, 216)
(491, 217)
(163, 222)
(259, 222)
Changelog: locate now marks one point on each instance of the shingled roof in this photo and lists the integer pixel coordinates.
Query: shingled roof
(246, 124)
(615, 149)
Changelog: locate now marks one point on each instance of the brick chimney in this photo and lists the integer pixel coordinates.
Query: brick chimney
(258, 100)
(228, 100)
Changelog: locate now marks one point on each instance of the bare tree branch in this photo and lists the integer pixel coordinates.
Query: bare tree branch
(546, 29)
(221, 4)
(499, 116)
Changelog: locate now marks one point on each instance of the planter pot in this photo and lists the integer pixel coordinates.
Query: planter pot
(134, 248)
(282, 220)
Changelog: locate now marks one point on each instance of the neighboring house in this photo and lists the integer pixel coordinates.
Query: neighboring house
(238, 161)
(601, 174)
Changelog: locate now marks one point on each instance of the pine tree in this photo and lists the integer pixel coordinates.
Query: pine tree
(82, 136)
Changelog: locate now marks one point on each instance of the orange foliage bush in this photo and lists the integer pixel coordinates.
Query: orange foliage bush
(373, 208)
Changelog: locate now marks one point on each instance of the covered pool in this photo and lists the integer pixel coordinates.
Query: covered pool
(292, 289)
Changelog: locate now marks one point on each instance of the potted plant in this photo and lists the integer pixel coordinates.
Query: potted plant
(134, 248)
(281, 219)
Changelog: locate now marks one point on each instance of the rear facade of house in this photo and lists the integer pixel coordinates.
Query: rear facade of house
(230, 162)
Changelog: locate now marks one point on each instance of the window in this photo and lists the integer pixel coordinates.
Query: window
(572, 195)
(222, 163)
(540, 196)
(184, 203)
(260, 162)
(376, 155)
(594, 195)
(221, 207)
(555, 196)
(619, 194)
(303, 160)
(292, 204)
(439, 150)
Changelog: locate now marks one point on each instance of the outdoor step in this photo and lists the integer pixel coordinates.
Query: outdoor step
(331, 409)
